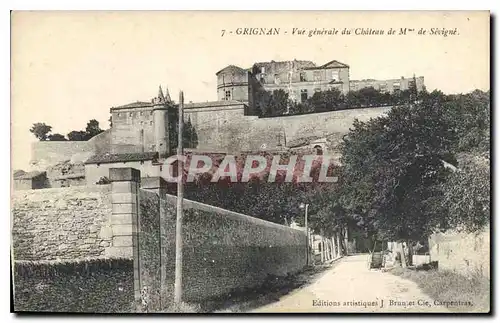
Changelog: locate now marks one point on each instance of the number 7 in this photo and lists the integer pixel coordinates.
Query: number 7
(223, 32)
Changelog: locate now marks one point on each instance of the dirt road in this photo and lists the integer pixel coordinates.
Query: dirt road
(349, 286)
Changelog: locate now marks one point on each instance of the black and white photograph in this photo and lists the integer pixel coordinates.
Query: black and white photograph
(250, 162)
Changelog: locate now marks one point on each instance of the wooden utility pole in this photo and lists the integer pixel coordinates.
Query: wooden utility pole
(180, 195)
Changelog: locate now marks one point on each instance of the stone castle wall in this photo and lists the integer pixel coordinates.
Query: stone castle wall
(61, 223)
(133, 130)
(47, 153)
(235, 132)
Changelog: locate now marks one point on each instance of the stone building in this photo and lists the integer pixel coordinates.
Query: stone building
(30, 181)
(300, 79)
(139, 133)
(391, 86)
(141, 126)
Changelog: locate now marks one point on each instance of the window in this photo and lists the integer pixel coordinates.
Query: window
(141, 113)
(151, 123)
(396, 86)
(317, 76)
(131, 114)
(303, 95)
(227, 95)
(276, 79)
(335, 76)
(151, 113)
(303, 77)
(262, 78)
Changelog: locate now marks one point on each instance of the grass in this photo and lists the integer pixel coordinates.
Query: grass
(446, 285)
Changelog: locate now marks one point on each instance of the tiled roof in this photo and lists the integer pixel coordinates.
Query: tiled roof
(115, 158)
(212, 104)
(233, 67)
(138, 104)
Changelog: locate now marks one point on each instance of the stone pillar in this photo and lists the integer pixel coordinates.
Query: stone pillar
(124, 218)
(159, 186)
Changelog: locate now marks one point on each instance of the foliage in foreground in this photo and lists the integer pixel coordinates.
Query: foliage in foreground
(404, 177)
(445, 285)
(96, 286)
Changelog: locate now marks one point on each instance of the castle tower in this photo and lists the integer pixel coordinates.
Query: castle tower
(160, 121)
(232, 84)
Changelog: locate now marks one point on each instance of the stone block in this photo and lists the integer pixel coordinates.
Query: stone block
(124, 208)
(123, 198)
(89, 241)
(118, 252)
(123, 230)
(104, 243)
(122, 218)
(124, 174)
(122, 241)
(152, 183)
(106, 231)
(124, 187)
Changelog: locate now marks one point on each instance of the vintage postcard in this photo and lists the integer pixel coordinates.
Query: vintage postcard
(250, 162)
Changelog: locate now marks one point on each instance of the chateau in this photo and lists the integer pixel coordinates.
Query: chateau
(139, 135)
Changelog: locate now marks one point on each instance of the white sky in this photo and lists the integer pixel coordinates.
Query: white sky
(70, 67)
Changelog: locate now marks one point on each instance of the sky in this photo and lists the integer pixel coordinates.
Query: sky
(70, 67)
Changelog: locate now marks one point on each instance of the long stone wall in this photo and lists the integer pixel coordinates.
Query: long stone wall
(47, 153)
(462, 252)
(224, 250)
(61, 223)
(247, 133)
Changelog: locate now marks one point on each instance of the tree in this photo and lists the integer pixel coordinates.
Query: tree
(392, 165)
(77, 135)
(278, 102)
(398, 168)
(56, 137)
(466, 195)
(329, 100)
(41, 130)
(272, 104)
(190, 136)
(92, 129)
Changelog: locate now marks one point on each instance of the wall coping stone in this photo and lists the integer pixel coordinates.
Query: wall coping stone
(189, 204)
(125, 174)
(153, 182)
